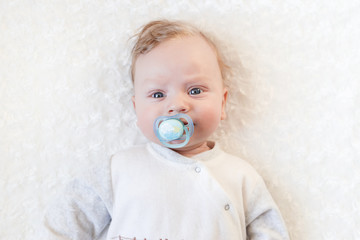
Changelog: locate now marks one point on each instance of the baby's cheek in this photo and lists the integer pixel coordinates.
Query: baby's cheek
(210, 119)
(144, 124)
(211, 111)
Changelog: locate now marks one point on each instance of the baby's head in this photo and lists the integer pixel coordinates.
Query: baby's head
(178, 69)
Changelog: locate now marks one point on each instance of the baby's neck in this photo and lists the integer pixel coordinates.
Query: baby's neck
(203, 147)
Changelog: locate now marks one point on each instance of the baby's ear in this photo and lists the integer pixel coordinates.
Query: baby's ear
(223, 112)
(133, 101)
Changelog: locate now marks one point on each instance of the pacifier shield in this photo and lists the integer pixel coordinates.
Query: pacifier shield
(177, 127)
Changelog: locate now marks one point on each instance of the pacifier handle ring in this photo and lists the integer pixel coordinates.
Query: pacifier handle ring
(189, 125)
(188, 128)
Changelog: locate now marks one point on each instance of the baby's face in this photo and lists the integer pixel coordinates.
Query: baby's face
(180, 75)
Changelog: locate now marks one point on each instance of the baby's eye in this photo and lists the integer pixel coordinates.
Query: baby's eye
(157, 95)
(195, 91)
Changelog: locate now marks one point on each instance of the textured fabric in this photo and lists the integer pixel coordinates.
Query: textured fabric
(83, 210)
(156, 193)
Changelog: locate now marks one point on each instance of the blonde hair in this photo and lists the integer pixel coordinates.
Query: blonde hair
(156, 32)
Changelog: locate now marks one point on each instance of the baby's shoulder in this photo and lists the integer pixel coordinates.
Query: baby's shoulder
(129, 153)
(235, 160)
(238, 166)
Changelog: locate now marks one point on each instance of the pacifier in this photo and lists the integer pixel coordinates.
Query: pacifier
(172, 128)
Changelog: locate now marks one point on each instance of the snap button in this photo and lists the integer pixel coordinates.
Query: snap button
(227, 207)
(197, 169)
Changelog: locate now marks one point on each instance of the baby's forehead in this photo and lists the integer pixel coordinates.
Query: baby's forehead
(182, 47)
(186, 50)
(160, 32)
(192, 50)
(182, 61)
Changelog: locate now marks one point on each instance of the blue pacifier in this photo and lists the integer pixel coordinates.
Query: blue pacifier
(168, 129)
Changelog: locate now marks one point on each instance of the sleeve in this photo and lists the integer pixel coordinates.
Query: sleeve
(263, 218)
(83, 210)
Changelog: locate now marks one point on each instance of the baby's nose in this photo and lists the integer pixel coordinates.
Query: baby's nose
(178, 105)
(177, 109)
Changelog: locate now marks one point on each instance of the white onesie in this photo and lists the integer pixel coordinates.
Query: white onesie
(151, 192)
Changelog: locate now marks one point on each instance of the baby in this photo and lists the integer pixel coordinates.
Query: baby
(181, 188)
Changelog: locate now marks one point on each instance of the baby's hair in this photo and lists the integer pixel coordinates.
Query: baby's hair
(156, 32)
